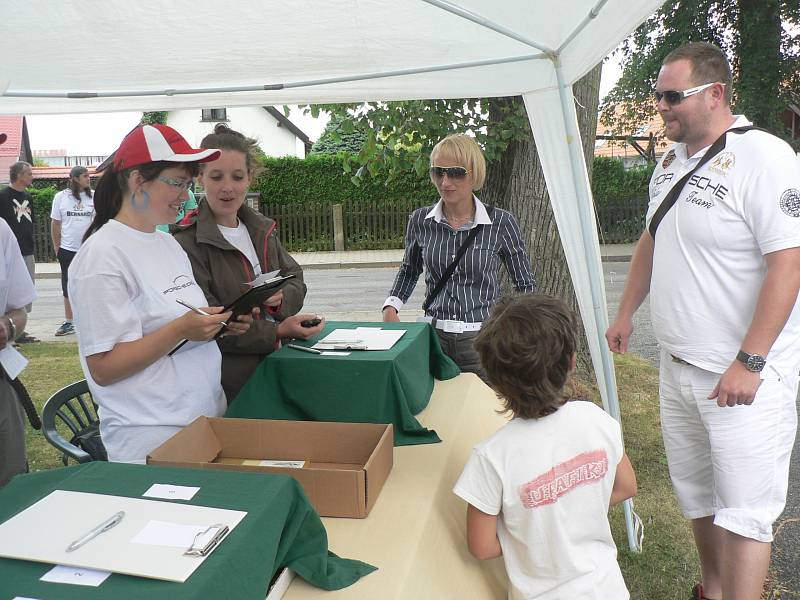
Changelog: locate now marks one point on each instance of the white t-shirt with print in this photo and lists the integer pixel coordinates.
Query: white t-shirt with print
(239, 238)
(708, 265)
(75, 216)
(124, 284)
(550, 482)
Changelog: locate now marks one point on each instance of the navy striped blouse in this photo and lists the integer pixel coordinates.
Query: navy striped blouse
(473, 288)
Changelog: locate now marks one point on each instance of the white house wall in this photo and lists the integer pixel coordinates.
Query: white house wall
(252, 121)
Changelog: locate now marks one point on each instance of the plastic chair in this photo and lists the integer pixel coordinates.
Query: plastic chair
(75, 409)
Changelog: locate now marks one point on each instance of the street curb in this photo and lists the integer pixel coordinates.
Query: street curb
(48, 275)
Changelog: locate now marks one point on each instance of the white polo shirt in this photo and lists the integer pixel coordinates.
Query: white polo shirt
(708, 264)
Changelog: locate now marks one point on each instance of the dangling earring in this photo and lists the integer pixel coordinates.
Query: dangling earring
(145, 201)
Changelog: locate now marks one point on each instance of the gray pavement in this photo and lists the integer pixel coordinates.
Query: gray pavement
(352, 286)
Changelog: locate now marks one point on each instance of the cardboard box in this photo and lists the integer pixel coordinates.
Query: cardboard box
(346, 464)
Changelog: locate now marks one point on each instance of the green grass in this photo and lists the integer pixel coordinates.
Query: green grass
(52, 366)
(665, 570)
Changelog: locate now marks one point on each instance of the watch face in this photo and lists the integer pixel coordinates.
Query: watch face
(755, 363)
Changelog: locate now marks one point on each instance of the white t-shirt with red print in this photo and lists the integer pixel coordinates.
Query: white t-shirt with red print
(550, 482)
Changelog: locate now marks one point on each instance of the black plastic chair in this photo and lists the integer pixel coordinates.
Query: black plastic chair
(74, 411)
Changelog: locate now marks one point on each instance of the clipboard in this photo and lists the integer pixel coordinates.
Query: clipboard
(253, 297)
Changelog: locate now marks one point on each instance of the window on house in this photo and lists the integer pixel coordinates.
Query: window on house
(214, 114)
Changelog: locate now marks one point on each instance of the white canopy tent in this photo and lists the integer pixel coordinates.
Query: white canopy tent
(77, 56)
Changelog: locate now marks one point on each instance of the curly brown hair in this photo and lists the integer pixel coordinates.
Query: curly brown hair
(527, 347)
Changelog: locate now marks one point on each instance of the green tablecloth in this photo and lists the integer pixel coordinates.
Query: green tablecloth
(281, 529)
(386, 386)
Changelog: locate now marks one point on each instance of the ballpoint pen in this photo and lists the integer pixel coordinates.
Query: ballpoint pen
(102, 528)
(305, 348)
(197, 310)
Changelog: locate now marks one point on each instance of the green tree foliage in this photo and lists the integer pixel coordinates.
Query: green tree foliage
(760, 37)
(154, 118)
(612, 183)
(340, 135)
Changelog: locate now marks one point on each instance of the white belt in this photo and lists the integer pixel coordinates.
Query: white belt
(451, 326)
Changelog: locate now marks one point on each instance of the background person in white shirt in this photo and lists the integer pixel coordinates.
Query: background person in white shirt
(723, 275)
(71, 214)
(125, 282)
(539, 489)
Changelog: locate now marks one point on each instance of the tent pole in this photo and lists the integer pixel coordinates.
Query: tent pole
(577, 169)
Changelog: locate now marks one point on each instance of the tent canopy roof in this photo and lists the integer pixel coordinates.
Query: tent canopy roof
(134, 53)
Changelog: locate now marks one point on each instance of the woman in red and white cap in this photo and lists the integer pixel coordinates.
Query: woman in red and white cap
(125, 283)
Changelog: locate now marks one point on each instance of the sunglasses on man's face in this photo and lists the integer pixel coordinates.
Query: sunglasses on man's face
(673, 98)
(451, 172)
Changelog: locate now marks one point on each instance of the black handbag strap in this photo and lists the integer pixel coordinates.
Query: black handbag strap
(672, 195)
(452, 267)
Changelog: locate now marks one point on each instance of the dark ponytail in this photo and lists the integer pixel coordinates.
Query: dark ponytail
(107, 200)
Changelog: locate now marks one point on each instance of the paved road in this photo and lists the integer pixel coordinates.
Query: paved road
(357, 295)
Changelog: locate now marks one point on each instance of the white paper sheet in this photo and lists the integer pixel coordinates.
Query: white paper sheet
(13, 362)
(371, 338)
(175, 535)
(263, 278)
(75, 576)
(171, 492)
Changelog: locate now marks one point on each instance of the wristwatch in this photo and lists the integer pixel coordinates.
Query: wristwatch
(753, 362)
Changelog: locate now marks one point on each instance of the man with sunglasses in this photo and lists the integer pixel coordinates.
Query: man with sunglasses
(723, 274)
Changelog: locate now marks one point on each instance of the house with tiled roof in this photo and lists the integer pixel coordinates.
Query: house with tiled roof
(17, 145)
(646, 142)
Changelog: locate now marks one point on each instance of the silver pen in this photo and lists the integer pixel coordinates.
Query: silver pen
(102, 528)
(196, 310)
(305, 348)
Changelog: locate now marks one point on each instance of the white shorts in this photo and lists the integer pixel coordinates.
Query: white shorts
(731, 462)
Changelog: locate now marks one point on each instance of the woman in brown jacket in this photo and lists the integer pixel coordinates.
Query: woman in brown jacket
(229, 245)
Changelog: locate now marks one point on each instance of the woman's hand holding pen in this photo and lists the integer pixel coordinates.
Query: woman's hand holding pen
(202, 327)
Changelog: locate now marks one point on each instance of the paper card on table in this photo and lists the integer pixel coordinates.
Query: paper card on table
(161, 533)
(335, 353)
(23, 598)
(370, 337)
(75, 576)
(13, 362)
(171, 492)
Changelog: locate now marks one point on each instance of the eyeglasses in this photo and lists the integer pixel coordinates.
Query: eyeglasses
(183, 184)
(674, 98)
(451, 172)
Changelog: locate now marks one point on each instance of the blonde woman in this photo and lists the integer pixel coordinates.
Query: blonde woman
(435, 234)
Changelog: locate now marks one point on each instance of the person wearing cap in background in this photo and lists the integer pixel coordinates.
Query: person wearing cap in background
(125, 283)
(16, 207)
(70, 217)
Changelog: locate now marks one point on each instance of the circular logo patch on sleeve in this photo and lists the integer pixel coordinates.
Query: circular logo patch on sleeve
(790, 202)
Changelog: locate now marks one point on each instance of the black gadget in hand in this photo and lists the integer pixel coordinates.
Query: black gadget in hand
(255, 297)
(310, 322)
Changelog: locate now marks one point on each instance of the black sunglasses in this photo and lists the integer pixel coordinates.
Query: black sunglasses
(451, 172)
(674, 98)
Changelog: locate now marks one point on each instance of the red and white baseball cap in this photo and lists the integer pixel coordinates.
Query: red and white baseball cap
(152, 143)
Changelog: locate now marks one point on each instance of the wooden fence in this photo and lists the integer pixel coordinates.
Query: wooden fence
(373, 225)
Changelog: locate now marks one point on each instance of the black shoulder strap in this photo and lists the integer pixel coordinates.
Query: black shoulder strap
(452, 267)
(672, 195)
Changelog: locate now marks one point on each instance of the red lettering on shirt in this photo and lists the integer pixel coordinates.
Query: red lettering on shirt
(547, 488)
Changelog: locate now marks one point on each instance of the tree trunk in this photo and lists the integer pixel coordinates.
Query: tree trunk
(759, 75)
(516, 183)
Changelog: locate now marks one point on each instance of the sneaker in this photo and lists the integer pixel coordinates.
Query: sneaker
(66, 328)
(25, 339)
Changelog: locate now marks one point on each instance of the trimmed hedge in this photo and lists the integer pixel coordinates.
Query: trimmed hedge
(318, 179)
(612, 183)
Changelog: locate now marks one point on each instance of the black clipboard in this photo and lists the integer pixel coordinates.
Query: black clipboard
(253, 297)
